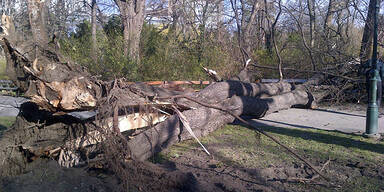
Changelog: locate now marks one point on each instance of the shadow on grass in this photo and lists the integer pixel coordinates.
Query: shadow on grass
(321, 137)
(3, 128)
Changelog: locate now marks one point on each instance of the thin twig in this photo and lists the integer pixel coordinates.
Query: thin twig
(325, 164)
(252, 126)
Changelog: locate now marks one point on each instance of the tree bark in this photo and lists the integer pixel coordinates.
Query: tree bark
(37, 20)
(366, 42)
(247, 30)
(268, 33)
(132, 16)
(205, 120)
(312, 21)
(94, 31)
(328, 17)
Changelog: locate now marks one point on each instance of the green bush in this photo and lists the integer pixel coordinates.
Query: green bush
(164, 55)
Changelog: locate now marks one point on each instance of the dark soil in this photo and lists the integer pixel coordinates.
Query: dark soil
(192, 171)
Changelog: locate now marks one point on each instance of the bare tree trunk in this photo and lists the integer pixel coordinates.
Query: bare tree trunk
(312, 21)
(61, 17)
(366, 42)
(132, 16)
(239, 28)
(202, 34)
(37, 21)
(172, 131)
(94, 30)
(170, 8)
(268, 33)
(247, 30)
(328, 17)
(273, 28)
(220, 21)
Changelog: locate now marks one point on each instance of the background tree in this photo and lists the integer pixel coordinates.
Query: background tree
(132, 17)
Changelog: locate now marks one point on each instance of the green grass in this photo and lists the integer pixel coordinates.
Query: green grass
(3, 65)
(6, 122)
(242, 147)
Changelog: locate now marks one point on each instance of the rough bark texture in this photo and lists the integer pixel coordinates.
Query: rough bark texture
(222, 90)
(205, 120)
(36, 12)
(366, 42)
(312, 20)
(132, 17)
(329, 17)
(94, 28)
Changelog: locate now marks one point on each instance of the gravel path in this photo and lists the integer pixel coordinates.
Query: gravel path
(9, 106)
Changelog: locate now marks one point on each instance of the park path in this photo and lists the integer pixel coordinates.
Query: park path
(348, 119)
(9, 107)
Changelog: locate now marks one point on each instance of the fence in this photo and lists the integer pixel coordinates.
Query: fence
(7, 85)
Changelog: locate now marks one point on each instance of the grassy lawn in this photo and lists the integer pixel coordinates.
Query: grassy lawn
(3, 74)
(5, 123)
(243, 147)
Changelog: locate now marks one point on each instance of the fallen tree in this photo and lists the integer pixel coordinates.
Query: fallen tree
(133, 121)
(57, 86)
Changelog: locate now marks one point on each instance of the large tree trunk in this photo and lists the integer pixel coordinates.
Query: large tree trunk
(366, 42)
(132, 16)
(36, 12)
(94, 30)
(267, 25)
(204, 120)
(312, 21)
(247, 29)
(328, 17)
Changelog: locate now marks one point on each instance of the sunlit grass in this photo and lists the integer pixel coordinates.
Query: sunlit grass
(3, 65)
(5, 123)
(243, 147)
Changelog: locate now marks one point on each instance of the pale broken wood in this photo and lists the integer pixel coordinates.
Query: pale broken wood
(74, 94)
(66, 154)
(136, 121)
(126, 122)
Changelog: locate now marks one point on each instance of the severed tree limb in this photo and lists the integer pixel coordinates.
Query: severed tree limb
(204, 120)
(219, 91)
(213, 74)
